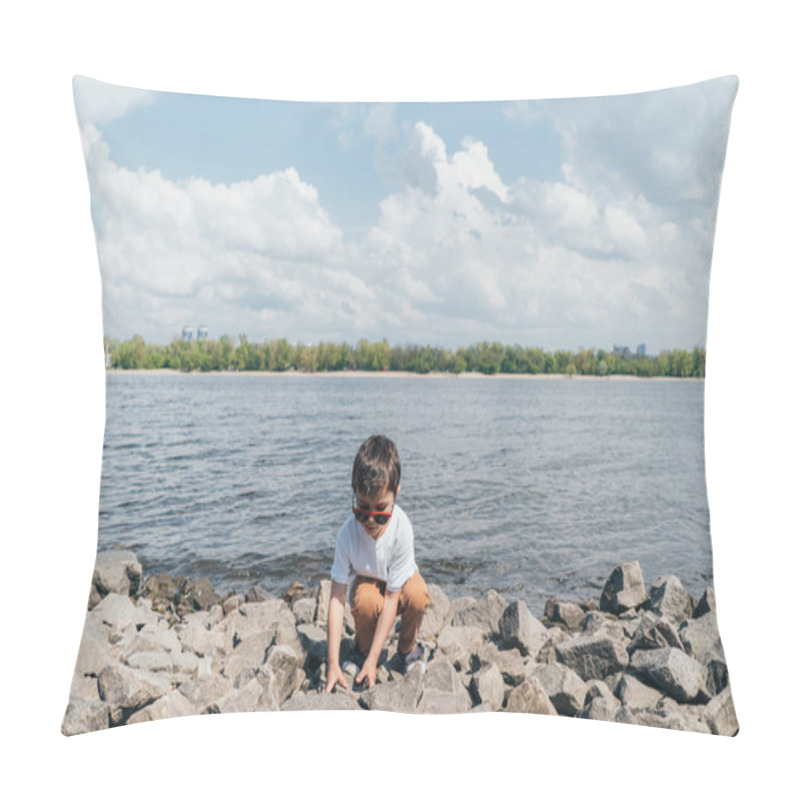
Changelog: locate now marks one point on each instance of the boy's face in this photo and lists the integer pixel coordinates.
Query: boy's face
(380, 503)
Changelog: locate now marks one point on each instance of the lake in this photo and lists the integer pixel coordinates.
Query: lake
(533, 487)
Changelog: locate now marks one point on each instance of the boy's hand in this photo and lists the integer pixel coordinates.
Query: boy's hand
(368, 671)
(335, 675)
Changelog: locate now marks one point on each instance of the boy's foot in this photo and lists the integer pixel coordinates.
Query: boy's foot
(415, 658)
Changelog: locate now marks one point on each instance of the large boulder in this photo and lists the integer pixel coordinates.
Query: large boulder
(172, 704)
(600, 703)
(332, 701)
(708, 602)
(285, 665)
(510, 663)
(520, 629)
(118, 611)
(566, 690)
(530, 698)
(436, 615)
(203, 693)
(654, 632)
(700, 638)
(669, 599)
(594, 655)
(671, 671)
(395, 696)
(484, 613)
(720, 714)
(126, 690)
(488, 687)
(624, 589)
(561, 612)
(115, 571)
(459, 645)
(635, 695)
(247, 657)
(95, 651)
(83, 716)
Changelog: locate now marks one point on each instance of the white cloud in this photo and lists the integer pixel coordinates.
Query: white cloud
(99, 103)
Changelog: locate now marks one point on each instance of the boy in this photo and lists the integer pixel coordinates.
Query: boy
(376, 545)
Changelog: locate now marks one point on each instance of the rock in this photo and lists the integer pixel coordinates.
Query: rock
(198, 639)
(668, 598)
(152, 661)
(334, 701)
(323, 601)
(116, 571)
(509, 662)
(83, 717)
(720, 715)
(706, 604)
(484, 613)
(671, 671)
(249, 697)
(118, 611)
(434, 701)
(232, 604)
(84, 688)
(488, 687)
(677, 719)
(126, 690)
(201, 595)
(570, 615)
(530, 698)
(247, 657)
(284, 664)
(700, 638)
(314, 641)
(716, 677)
(255, 594)
(296, 591)
(635, 695)
(172, 704)
(654, 632)
(593, 655)
(441, 675)
(436, 615)
(395, 696)
(305, 609)
(203, 693)
(624, 589)
(547, 653)
(520, 629)
(95, 651)
(566, 690)
(162, 590)
(459, 644)
(600, 703)
(151, 638)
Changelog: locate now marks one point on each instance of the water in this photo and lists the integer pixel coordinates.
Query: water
(531, 487)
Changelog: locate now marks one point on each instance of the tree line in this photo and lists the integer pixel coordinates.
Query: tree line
(488, 358)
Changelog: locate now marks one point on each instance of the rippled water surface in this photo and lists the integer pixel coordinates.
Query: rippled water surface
(532, 487)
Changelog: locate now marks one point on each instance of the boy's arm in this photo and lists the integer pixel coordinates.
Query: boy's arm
(385, 622)
(335, 625)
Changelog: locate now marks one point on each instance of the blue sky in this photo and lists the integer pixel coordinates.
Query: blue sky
(563, 224)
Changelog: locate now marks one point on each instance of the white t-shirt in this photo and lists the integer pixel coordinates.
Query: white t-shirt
(389, 559)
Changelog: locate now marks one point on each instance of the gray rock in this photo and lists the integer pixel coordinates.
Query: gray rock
(323, 601)
(84, 688)
(530, 698)
(547, 653)
(152, 661)
(566, 690)
(510, 662)
(203, 693)
(441, 675)
(436, 615)
(634, 694)
(247, 657)
(118, 610)
(435, 701)
(520, 629)
(231, 604)
(305, 609)
(720, 715)
(400, 695)
(334, 701)
(459, 644)
(654, 632)
(600, 703)
(668, 598)
(201, 595)
(706, 604)
(116, 571)
(83, 717)
(560, 612)
(95, 651)
(152, 638)
(675, 717)
(172, 704)
(248, 697)
(624, 589)
(198, 639)
(162, 590)
(484, 613)
(671, 671)
(593, 655)
(255, 594)
(283, 662)
(126, 690)
(700, 638)
(716, 677)
(314, 641)
(488, 687)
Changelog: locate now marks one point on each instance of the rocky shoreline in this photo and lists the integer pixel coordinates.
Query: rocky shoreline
(166, 647)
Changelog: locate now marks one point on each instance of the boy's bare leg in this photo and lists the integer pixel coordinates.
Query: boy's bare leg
(414, 599)
(366, 607)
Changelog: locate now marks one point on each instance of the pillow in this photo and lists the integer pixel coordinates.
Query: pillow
(514, 294)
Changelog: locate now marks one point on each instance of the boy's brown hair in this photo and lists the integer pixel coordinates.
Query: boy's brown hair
(376, 465)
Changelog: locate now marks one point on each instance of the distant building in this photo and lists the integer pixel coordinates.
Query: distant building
(641, 351)
(623, 351)
(187, 333)
(202, 333)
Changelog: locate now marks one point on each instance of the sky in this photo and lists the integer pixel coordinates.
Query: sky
(563, 224)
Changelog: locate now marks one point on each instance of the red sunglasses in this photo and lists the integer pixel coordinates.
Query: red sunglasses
(362, 515)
